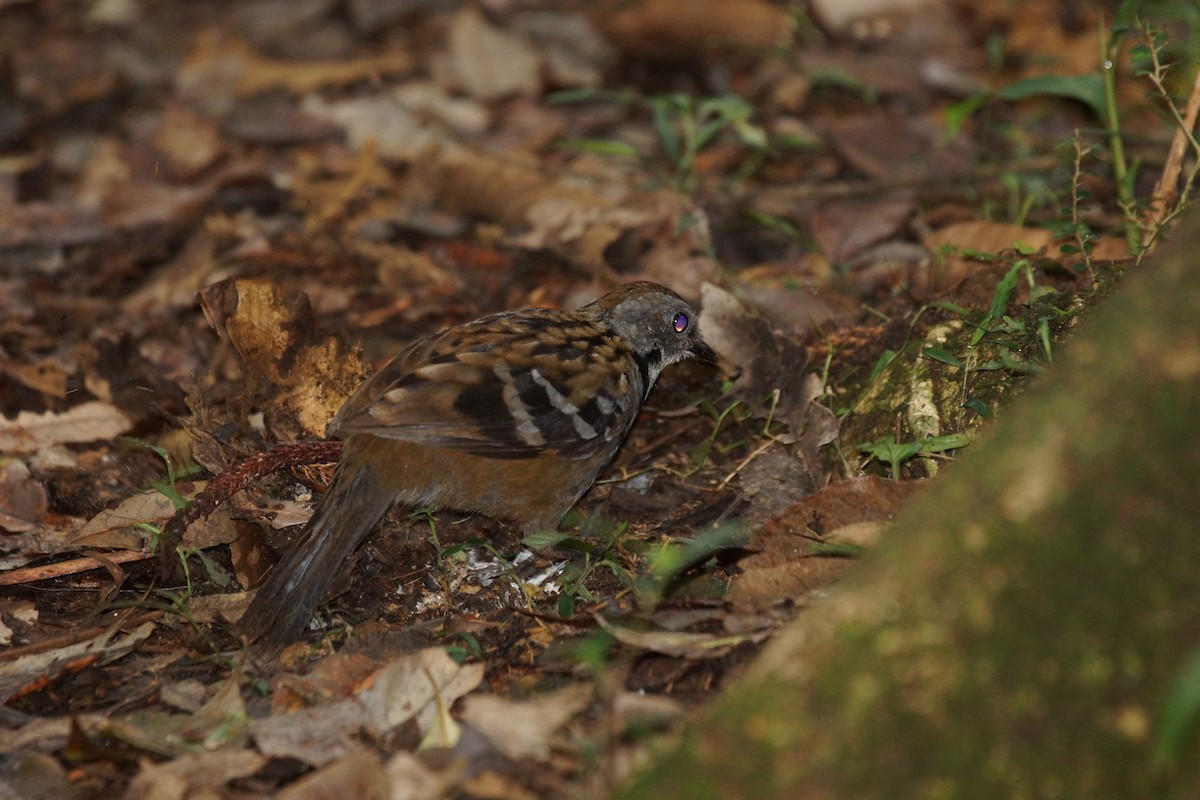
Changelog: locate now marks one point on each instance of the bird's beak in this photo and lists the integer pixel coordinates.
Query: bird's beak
(702, 352)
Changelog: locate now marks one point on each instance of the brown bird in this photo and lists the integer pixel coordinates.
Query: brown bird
(512, 415)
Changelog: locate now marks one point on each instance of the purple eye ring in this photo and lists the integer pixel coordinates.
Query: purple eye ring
(680, 322)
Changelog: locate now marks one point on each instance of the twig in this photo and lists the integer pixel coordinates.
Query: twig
(745, 462)
(71, 567)
(1165, 190)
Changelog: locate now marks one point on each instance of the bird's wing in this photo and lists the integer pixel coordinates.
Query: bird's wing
(509, 386)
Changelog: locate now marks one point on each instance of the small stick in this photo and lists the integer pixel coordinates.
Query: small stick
(70, 567)
(1164, 190)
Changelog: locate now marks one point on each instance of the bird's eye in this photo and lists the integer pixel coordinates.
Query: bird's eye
(680, 322)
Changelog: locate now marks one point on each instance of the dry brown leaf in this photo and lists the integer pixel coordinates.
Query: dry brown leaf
(86, 422)
(768, 361)
(489, 784)
(525, 728)
(773, 381)
(315, 736)
(401, 268)
(844, 228)
(580, 221)
(300, 77)
(486, 62)
(575, 52)
(671, 246)
(252, 558)
(985, 236)
(787, 561)
(36, 775)
(132, 201)
(218, 725)
(192, 775)
(1106, 247)
(502, 190)
(210, 607)
(410, 778)
(45, 377)
(23, 501)
(305, 381)
(119, 527)
(897, 148)
(337, 676)
(639, 710)
(415, 686)
(796, 296)
(1042, 45)
(773, 481)
(915, 46)
(377, 121)
(360, 776)
(420, 686)
(331, 200)
(858, 534)
(271, 512)
(949, 246)
(896, 264)
(186, 695)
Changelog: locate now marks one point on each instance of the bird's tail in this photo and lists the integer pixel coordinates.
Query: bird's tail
(299, 582)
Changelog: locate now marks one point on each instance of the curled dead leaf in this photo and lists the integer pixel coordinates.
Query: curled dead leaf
(305, 379)
(86, 422)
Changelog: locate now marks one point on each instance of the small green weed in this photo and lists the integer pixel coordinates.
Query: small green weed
(668, 563)
(469, 648)
(600, 545)
(684, 127)
(165, 486)
(896, 453)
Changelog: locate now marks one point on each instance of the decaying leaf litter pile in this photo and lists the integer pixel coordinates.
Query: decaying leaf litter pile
(217, 218)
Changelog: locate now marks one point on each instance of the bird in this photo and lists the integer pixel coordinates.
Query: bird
(513, 416)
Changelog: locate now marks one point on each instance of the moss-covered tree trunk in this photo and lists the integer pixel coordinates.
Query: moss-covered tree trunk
(1019, 631)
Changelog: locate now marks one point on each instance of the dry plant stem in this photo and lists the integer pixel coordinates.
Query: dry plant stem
(1080, 242)
(230, 481)
(745, 462)
(73, 566)
(1164, 190)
